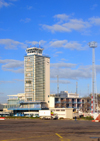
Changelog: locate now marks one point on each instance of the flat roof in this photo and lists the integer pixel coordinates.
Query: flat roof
(37, 55)
(24, 109)
(32, 102)
(41, 48)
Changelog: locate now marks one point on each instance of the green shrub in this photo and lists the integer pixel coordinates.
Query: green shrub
(87, 118)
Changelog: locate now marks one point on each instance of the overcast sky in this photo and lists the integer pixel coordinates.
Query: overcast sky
(63, 28)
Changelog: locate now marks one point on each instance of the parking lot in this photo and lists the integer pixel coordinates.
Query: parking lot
(48, 130)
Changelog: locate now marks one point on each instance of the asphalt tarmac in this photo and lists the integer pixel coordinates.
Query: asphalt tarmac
(48, 130)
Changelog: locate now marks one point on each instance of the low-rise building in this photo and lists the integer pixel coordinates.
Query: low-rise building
(86, 104)
(15, 100)
(29, 107)
(63, 112)
(17, 105)
(65, 100)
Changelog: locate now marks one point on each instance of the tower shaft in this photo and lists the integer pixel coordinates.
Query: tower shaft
(93, 75)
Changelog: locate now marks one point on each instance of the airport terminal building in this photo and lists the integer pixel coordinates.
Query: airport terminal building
(36, 94)
(36, 83)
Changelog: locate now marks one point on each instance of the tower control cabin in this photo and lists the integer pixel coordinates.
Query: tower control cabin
(36, 75)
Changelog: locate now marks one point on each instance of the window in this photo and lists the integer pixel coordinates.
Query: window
(40, 51)
(62, 109)
(28, 58)
(29, 99)
(28, 90)
(28, 74)
(88, 100)
(53, 110)
(29, 82)
(57, 110)
(48, 101)
(29, 69)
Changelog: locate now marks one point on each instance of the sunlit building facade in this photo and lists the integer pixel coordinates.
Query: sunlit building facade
(37, 75)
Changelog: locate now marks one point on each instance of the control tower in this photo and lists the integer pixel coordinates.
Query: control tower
(36, 75)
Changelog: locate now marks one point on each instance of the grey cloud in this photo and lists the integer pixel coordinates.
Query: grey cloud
(61, 81)
(68, 24)
(71, 24)
(63, 59)
(3, 3)
(62, 65)
(4, 82)
(41, 42)
(68, 73)
(97, 68)
(62, 16)
(84, 72)
(77, 24)
(12, 81)
(75, 45)
(15, 71)
(21, 80)
(15, 66)
(65, 44)
(95, 20)
(1, 93)
(11, 44)
(56, 27)
(58, 43)
(32, 42)
(59, 52)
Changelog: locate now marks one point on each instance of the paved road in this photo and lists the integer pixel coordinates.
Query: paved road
(48, 130)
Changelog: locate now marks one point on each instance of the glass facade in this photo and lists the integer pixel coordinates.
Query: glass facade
(13, 103)
(39, 78)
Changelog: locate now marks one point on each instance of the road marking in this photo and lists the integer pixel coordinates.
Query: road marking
(62, 139)
(59, 135)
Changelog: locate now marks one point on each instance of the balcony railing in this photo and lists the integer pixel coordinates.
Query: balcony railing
(57, 101)
(63, 101)
(69, 102)
(79, 102)
(74, 102)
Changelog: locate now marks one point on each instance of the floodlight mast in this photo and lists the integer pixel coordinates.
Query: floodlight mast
(93, 45)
